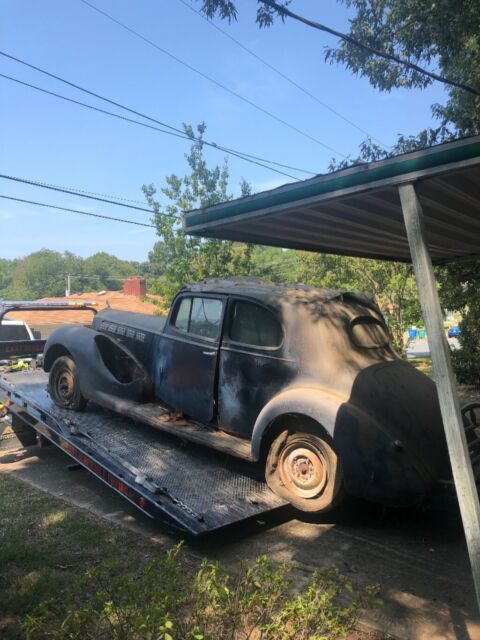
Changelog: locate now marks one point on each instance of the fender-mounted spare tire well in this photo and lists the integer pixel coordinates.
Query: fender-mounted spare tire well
(64, 384)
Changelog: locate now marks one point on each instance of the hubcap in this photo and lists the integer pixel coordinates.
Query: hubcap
(302, 469)
(65, 384)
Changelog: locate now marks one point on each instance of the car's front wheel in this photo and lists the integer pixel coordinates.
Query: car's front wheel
(64, 385)
(304, 469)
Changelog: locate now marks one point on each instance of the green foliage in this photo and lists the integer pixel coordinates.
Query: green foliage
(227, 10)
(6, 270)
(104, 271)
(459, 291)
(392, 283)
(430, 34)
(180, 258)
(37, 275)
(167, 600)
(44, 274)
(276, 265)
(444, 35)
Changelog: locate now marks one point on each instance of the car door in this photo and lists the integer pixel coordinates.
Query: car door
(253, 364)
(188, 354)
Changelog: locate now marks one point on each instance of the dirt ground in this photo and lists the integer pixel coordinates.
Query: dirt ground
(417, 556)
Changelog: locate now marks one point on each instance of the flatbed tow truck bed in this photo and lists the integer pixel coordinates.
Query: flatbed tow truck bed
(193, 488)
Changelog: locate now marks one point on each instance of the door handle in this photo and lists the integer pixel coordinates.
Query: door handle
(209, 353)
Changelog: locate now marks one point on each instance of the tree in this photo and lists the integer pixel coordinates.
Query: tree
(38, 275)
(392, 284)
(227, 10)
(44, 274)
(446, 35)
(459, 292)
(418, 32)
(276, 265)
(6, 271)
(181, 258)
(104, 271)
(443, 35)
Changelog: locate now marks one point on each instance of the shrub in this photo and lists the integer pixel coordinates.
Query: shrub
(168, 600)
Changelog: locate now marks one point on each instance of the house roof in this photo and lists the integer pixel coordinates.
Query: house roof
(112, 299)
(357, 211)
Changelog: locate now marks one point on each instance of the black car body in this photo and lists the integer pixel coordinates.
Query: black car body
(304, 379)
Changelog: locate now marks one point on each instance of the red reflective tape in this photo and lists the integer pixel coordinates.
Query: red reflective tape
(104, 474)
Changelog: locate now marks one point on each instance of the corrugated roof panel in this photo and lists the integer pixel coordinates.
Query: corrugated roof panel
(357, 211)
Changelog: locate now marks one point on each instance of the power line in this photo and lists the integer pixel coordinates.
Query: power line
(282, 10)
(212, 80)
(83, 213)
(280, 73)
(34, 183)
(144, 124)
(76, 191)
(150, 118)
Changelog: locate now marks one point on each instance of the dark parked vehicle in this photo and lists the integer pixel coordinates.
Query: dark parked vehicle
(301, 380)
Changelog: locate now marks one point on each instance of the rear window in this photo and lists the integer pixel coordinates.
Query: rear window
(254, 325)
(369, 333)
(13, 332)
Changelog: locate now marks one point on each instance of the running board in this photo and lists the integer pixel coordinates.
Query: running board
(155, 416)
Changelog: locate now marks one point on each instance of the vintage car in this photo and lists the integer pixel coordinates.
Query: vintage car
(303, 381)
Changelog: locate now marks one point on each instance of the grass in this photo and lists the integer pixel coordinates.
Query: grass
(65, 573)
(44, 547)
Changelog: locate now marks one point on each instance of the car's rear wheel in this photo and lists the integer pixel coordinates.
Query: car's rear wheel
(304, 469)
(64, 384)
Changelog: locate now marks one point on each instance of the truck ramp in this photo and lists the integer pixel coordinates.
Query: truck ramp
(191, 487)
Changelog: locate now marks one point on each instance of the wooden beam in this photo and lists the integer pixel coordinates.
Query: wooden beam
(446, 386)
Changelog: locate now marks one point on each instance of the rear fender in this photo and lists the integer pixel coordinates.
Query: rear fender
(318, 404)
(104, 365)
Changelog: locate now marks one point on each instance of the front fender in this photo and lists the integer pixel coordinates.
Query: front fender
(97, 356)
(319, 404)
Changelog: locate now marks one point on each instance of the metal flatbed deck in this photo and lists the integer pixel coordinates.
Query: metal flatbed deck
(191, 487)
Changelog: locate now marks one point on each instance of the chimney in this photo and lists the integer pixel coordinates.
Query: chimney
(135, 286)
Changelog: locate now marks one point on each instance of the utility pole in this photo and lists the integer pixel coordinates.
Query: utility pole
(67, 292)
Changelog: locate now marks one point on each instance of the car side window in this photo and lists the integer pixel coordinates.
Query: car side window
(182, 314)
(254, 325)
(205, 317)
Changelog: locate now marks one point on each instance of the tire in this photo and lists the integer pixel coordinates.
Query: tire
(64, 385)
(304, 469)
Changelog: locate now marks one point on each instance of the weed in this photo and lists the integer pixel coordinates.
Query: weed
(166, 600)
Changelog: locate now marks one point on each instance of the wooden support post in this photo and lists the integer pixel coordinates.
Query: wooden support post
(442, 367)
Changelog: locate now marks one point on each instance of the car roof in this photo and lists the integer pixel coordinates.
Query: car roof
(272, 293)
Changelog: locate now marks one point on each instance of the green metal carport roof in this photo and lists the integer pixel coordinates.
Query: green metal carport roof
(422, 206)
(357, 211)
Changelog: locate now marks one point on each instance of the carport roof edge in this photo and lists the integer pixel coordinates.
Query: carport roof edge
(252, 218)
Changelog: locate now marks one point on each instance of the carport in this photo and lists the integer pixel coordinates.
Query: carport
(422, 207)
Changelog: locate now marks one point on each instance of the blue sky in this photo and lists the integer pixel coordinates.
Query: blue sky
(51, 141)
